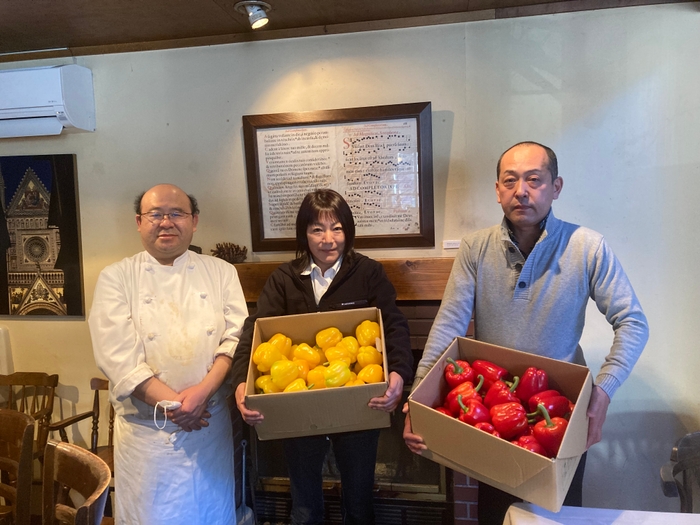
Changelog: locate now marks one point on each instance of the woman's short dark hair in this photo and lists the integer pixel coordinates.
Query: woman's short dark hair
(317, 204)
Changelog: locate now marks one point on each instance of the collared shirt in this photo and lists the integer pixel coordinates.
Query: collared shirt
(319, 280)
(542, 226)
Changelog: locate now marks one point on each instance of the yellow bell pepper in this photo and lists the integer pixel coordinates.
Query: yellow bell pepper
(303, 367)
(352, 345)
(337, 374)
(328, 337)
(368, 355)
(282, 343)
(265, 385)
(316, 378)
(265, 355)
(297, 385)
(367, 333)
(355, 382)
(283, 372)
(335, 353)
(308, 354)
(371, 374)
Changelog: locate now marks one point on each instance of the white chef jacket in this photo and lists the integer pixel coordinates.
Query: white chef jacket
(169, 322)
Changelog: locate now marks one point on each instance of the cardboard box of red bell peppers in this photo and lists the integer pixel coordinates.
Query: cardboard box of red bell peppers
(312, 412)
(464, 448)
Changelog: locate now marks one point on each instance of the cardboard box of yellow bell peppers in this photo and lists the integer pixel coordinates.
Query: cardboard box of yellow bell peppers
(323, 411)
(495, 461)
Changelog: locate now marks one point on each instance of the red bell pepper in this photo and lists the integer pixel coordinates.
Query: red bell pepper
(473, 411)
(488, 428)
(443, 410)
(532, 382)
(556, 404)
(550, 431)
(490, 371)
(510, 419)
(458, 372)
(500, 392)
(530, 443)
(467, 391)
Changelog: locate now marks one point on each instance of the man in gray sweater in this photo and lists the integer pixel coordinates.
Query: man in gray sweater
(527, 282)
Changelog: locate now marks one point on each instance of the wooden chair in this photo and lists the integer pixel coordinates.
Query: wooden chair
(104, 452)
(31, 393)
(16, 440)
(680, 477)
(68, 467)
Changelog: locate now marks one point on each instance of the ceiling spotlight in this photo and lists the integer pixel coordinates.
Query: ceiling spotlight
(255, 11)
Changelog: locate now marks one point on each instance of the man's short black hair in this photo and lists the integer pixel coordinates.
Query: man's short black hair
(552, 164)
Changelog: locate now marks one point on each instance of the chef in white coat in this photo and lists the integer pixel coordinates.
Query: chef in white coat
(164, 325)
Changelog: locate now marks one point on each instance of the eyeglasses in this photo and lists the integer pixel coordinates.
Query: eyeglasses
(156, 217)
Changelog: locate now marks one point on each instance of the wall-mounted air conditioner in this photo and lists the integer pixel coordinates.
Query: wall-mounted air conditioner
(46, 100)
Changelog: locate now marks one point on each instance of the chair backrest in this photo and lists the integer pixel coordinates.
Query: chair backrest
(31, 393)
(98, 384)
(686, 471)
(67, 466)
(16, 439)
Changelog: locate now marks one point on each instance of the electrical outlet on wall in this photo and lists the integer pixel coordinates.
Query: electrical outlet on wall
(450, 245)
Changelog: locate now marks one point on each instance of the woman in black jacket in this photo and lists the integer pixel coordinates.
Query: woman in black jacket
(328, 274)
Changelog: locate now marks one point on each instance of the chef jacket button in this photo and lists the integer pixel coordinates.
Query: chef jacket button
(522, 284)
(151, 336)
(148, 300)
(203, 295)
(156, 372)
(190, 267)
(210, 330)
(149, 268)
(210, 366)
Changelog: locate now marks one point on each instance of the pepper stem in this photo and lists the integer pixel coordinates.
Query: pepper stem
(480, 383)
(462, 405)
(545, 413)
(516, 380)
(457, 369)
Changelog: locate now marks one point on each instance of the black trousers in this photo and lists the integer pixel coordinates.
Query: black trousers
(494, 503)
(355, 456)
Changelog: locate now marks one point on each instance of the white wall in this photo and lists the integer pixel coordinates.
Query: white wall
(614, 93)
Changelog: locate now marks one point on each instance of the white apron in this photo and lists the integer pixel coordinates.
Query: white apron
(190, 481)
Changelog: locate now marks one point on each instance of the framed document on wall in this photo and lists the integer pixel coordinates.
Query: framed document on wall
(379, 158)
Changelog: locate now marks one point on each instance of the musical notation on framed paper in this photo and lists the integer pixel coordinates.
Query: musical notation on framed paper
(379, 158)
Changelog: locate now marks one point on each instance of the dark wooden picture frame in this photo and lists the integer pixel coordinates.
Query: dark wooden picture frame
(420, 112)
(41, 271)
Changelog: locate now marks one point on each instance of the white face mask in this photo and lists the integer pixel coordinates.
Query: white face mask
(178, 435)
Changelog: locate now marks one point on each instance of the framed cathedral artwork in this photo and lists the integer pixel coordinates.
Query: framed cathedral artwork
(40, 264)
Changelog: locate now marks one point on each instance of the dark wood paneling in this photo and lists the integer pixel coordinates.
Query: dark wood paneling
(414, 280)
(79, 27)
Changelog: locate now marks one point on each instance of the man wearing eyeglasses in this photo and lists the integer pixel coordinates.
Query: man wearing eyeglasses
(164, 325)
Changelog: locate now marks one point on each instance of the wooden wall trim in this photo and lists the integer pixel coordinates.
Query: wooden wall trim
(414, 279)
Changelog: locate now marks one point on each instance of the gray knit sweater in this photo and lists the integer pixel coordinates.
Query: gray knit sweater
(538, 304)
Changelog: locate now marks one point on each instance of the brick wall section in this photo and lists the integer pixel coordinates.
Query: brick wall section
(465, 496)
